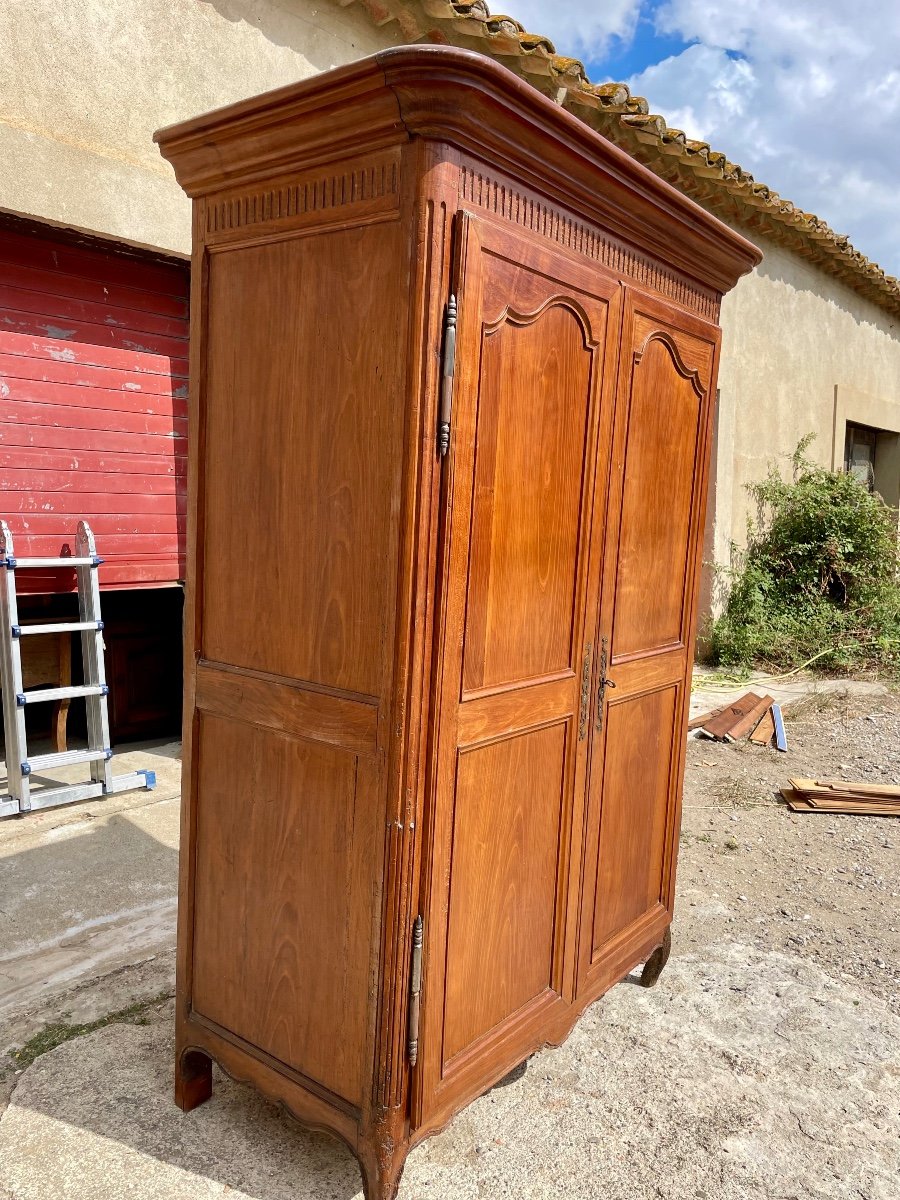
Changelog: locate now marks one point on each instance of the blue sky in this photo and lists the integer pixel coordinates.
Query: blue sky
(804, 94)
(629, 54)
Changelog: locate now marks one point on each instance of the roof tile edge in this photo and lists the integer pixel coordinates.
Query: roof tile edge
(707, 175)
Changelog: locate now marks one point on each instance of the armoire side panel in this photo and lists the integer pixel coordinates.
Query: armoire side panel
(304, 408)
(283, 898)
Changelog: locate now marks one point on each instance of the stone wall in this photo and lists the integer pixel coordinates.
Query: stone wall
(801, 353)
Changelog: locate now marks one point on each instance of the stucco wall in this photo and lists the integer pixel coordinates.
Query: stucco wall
(801, 353)
(84, 84)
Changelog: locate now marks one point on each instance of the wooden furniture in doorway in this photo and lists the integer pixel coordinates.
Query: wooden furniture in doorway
(453, 369)
(47, 662)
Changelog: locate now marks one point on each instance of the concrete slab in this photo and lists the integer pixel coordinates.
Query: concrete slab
(745, 1075)
(86, 890)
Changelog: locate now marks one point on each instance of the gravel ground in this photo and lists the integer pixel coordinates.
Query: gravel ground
(824, 887)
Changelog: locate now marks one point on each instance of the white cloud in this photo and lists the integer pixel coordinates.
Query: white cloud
(578, 28)
(803, 94)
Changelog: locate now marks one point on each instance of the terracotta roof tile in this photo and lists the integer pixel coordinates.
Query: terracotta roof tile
(705, 174)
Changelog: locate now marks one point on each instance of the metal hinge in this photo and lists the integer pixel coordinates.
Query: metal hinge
(415, 987)
(447, 368)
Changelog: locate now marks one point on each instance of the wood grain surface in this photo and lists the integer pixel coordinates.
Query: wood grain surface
(449, 687)
(303, 425)
(283, 834)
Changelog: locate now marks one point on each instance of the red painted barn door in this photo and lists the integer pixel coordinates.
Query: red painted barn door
(93, 406)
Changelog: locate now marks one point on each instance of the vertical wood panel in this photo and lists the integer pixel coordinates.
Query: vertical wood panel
(636, 779)
(661, 451)
(287, 850)
(304, 409)
(527, 502)
(503, 883)
(531, 408)
(645, 623)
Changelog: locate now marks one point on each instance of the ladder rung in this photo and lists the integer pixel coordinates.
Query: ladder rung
(68, 793)
(56, 627)
(63, 759)
(20, 564)
(39, 695)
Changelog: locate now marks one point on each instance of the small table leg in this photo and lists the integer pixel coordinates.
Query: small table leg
(653, 967)
(193, 1079)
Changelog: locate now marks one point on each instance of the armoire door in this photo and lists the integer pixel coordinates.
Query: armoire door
(645, 634)
(536, 335)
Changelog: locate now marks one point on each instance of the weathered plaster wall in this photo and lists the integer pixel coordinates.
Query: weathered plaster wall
(84, 83)
(801, 353)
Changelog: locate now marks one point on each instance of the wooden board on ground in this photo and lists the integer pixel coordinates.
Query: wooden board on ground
(699, 721)
(817, 789)
(764, 732)
(730, 715)
(805, 795)
(865, 789)
(748, 723)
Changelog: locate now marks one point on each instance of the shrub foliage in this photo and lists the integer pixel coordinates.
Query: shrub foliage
(819, 579)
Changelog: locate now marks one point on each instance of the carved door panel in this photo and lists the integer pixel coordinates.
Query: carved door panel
(645, 634)
(536, 325)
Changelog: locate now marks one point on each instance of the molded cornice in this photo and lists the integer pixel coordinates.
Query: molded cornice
(470, 102)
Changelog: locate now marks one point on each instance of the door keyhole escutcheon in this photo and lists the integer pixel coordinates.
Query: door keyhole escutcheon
(604, 682)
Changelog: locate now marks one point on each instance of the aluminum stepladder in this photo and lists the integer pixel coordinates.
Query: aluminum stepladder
(19, 767)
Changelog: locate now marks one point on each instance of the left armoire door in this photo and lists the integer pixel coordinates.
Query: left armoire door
(531, 420)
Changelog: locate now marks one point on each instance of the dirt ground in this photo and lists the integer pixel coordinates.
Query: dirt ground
(823, 887)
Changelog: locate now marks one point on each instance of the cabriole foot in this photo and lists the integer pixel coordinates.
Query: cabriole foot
(382, 1155)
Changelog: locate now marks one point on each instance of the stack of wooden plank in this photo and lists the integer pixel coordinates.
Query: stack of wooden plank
(753, 716)
(842, 796)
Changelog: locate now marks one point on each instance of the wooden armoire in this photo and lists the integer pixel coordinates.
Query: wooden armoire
(453, 368)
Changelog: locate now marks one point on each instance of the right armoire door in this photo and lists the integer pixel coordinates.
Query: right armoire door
(644, 636)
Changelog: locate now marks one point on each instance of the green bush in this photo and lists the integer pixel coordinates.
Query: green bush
(819, 579)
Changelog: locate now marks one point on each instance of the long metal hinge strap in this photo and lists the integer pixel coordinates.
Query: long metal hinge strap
(415, 987)
(447, 370)
(585, 693)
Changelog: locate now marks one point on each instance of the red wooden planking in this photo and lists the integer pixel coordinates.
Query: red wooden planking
(35, 391)
(67, 330)
(113, 482)
(63, 438)
(59, 526)
(75, 374)
(27, 303)
(80, 461)
(138, 545)
(86, 504)
(93, 388)
(83, 354)
(116, 574)
(36, 415)
(25, 249)
(96, 290)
